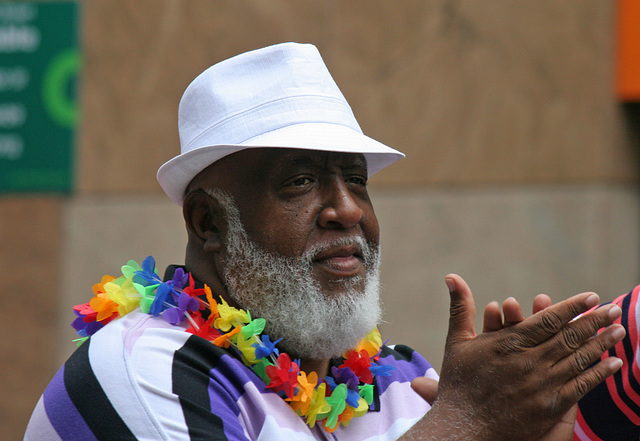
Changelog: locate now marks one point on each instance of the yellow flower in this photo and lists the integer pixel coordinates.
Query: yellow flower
(306, 385)
(124, 294)
(229, 316)
(245, 346)
(370, 343)
(318, 406)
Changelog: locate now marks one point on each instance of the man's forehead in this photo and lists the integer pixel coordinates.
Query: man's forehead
(257, 163)
(299, 157)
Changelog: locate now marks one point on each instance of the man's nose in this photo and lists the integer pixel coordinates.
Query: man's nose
(340, 208)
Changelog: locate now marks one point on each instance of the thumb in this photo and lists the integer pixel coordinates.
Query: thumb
(426, 387)
(462, 310)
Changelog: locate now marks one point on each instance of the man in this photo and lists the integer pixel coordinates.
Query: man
(281, 303)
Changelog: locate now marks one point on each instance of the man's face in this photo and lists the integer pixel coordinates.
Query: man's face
(291, 201)
(301, 247)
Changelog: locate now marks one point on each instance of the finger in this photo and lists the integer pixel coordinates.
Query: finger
(462, 310)
(427, 388)
(542, 301)
(572, 337)
(582, 384)
(576, 363)
(547, 323)
(512, 312)
(492, 318)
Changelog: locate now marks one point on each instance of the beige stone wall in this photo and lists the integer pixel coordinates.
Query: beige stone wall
(473, 91)
(519, 175)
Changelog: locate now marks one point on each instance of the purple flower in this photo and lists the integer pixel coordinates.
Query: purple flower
(185, 303)
(346, 376)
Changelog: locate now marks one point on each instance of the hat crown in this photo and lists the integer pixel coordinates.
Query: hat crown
(259, 91)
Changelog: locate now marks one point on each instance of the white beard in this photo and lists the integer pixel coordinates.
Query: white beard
(283, 291)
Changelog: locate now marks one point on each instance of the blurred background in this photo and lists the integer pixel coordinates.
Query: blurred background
(519, 120)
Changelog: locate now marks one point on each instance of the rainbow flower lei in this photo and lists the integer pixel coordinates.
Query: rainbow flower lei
(332, 400)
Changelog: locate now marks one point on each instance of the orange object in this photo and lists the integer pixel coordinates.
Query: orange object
(628, 51)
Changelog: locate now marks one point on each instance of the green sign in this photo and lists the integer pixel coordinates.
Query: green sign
(39, 70)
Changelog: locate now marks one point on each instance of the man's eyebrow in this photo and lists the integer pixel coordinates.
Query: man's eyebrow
(311, 160)
(297, 161)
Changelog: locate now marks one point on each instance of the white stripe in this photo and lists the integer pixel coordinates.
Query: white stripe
(132, 360)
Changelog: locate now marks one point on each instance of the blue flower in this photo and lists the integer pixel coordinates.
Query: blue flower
(266, 348)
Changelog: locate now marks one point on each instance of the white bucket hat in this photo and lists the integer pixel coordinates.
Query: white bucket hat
(278, 96)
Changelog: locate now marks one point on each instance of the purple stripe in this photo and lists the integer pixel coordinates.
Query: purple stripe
(63, 414)
(405, 370)
(226, 386)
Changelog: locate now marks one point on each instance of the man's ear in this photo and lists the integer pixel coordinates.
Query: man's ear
(203, 218)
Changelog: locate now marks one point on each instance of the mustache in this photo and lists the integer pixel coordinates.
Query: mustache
(369, 251)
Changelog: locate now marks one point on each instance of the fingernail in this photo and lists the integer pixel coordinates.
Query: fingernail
(593, 300)
(618, 333)
(451, 284)
(615, 363)
(615, 312)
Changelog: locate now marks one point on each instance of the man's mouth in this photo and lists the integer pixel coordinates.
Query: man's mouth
(345, 261)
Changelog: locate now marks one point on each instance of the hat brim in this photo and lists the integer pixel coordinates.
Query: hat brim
(174, 176)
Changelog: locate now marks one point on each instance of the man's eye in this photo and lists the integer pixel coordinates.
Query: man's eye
(300, 182)
(359, 180)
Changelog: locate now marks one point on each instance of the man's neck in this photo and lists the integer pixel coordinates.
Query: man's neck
(320, 367)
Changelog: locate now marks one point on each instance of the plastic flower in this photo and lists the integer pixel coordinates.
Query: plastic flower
(162, 295)
(266, 347)
(318, 406)
(337, 401)
(283, 376)
(124, 294)
(225, 340)
(83, 327)
(130, 269)
(370, 343)
(359, 363)
(98, 288)
(381, 370)
(245, 345)
(361, 409)
(229, 316)
(202, 328)
(366, 392)
(306, 385)
(195, 292)
(147, 274)
(106, 308)
(86, 312)
(253, 327)
(213, 305)
(180, 279)
(346, 376)
(186, 303)
(148, 295)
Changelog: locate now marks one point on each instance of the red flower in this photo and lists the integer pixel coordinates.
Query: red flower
(203, 328)
(195, 293)
(283, 376)
(359, 363)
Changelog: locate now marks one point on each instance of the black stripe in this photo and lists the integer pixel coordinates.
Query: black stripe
(605, 418)
(90, 399)
(629, 355)
(190, 373)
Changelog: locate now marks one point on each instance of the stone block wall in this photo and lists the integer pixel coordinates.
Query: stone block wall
(520, 174)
